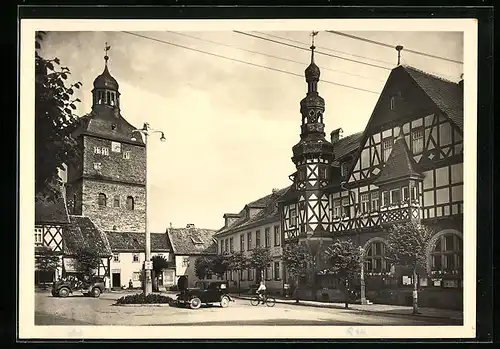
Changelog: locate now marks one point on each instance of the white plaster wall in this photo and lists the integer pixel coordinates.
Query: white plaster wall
(127, 267)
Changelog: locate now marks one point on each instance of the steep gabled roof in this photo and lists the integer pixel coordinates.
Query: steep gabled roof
(347, 145)
(267, 206)
(51, 211)
(399, 164)
(82, 232)
(135, 242)
(184, 241)
(447, 95)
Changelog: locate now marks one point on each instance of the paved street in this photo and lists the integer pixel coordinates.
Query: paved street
(79, 310)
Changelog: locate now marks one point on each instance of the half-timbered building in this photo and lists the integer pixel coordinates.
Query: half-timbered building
(406, 165)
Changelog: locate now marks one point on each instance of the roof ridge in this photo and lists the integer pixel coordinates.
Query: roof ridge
(429, 74)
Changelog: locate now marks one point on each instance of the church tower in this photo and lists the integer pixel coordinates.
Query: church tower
(312, 157)
(107, 182)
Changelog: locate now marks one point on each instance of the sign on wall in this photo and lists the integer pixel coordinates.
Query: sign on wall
(116, 147)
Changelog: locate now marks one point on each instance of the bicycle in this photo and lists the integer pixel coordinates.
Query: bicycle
(270, 301)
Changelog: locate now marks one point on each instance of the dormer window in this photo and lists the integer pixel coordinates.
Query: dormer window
(196, 240)
(344, 168)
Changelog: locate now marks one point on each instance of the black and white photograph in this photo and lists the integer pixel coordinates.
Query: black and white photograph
(248, 179)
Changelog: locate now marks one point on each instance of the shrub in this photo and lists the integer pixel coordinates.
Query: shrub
(139, 298)
(173, 288)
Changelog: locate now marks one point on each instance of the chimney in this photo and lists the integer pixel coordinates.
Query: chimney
(335, 135)
(190, 226)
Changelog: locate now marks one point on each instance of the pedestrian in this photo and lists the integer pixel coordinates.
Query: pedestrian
(130, 284)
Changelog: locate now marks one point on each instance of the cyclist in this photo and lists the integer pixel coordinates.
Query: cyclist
(261, 291)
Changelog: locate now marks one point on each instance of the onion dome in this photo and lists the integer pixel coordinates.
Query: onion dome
(106, 81)
(312, 72)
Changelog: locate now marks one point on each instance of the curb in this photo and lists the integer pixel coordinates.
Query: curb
(359, 310)
(143, 305)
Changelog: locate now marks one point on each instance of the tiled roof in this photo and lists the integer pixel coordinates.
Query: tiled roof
(268, 209)
(398, 165)
(347, 145)
(183, 241)
(133, 241)
(447, 95)
(50, 211)
(103, 122)
(82, 232)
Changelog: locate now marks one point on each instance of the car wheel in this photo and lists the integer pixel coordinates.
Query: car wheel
(64, 292)
(224, 302)
(96, 292)
(195, 303)
(53, 293)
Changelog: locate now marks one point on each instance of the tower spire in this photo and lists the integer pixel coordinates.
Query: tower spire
(106, 49)
(313, 34)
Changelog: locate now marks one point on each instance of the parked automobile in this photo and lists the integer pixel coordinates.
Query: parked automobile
(92, 286)
(205, 292)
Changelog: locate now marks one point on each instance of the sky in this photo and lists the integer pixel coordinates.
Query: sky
(230, 126)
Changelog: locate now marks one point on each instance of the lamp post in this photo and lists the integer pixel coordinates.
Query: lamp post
(145, 131)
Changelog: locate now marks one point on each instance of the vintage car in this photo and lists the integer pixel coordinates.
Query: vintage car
(93, 286)
(205, 292)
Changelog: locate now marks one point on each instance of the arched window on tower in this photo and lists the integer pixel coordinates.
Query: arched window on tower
(116, 201)
(112, 101)
(101, 97)
(130, 203)
(108, 98)
(375, 259)
(101, 200)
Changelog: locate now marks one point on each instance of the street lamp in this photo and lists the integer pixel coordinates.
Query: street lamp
(361, 249)
(146, 131)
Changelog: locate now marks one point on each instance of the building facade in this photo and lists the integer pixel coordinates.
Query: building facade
(256, 225)
(407, 165)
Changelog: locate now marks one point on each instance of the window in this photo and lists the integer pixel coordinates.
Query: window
(250, 274)
(447, 253)
(101, 199)
(405, 191)
(126, 154)
(268, 273)
(414, 193)
(375, 260)
(344, 168)
(302, 174)
(267, 233)
(365, 202)
(242, 242)
(249, 240)
(393, 103)
(97, 150)
(135, 257)
(116, 257)
(185, 262)
(226, 245)
(277, 275)
(97, 166)
(257, 238)
(105, 151)
(375, 206)
(336, 208)
(395, 196)
(136, 276)
(196, 239)
(293, 217)
(231, 245)
(323, 172)
(130, 203)
(116, 147)
(345, 207)
(417, 140)
(387, 147)
(385, 198)
(116, 201)
(277, 236)
(38, 236)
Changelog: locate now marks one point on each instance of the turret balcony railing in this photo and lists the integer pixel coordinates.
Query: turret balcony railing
(400, 212)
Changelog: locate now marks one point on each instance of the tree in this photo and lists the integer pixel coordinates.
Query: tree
(238, 262)
(87, 260)
(407, 246)
(344, 260)
(203, 266)
(220, 264)
(47, 260)
(297, 260)
(55, 122)
(159, 263)
(260, 259)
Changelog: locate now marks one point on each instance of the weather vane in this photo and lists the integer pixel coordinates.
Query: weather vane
(106, 49)
(313, 34)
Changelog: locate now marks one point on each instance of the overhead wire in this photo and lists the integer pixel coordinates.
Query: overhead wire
(269, 55)
(324, 48)
(243, 62)
(392, 46)
(306, 49)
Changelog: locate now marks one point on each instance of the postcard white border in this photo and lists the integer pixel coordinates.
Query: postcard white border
(27, 328)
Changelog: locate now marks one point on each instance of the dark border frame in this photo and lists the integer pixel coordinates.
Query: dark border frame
(485, 183)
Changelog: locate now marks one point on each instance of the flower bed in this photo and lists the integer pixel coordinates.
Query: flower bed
(139, 298)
